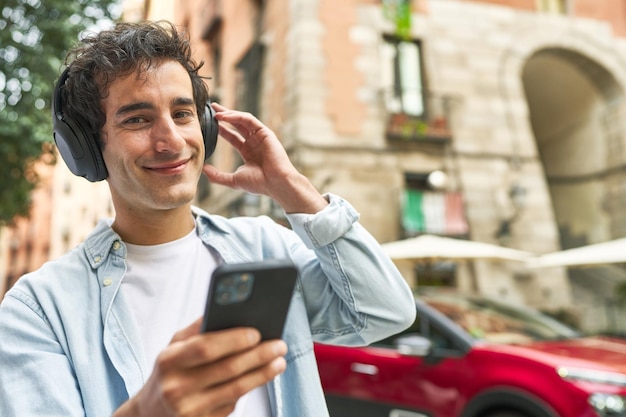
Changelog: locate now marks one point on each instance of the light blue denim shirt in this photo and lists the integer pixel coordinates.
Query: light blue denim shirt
(62, 356)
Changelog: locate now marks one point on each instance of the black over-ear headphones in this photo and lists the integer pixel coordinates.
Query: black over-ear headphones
(79, 148)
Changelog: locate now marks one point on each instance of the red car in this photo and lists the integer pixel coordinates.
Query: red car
(475, 357)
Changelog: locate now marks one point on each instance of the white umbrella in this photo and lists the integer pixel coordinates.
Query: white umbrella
(437, 247)
(612, 252)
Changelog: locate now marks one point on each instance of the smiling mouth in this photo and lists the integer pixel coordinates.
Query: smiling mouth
(173, 167)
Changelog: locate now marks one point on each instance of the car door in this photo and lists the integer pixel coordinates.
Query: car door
(380, 380)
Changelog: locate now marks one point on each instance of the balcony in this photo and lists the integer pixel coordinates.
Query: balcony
(430, 127)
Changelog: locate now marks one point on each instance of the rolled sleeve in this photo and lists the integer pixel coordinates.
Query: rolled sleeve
(353, 292)
(326, 226)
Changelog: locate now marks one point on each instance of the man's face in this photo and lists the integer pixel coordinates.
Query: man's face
(153, 146)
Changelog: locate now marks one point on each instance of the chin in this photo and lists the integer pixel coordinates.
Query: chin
(174, 198)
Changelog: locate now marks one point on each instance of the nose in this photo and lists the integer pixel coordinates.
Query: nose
(166, 136)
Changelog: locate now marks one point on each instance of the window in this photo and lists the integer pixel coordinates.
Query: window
(422, 326)
(416, 328)
(414, 114)
(425, 210)
(249, 79)
(402, 77)
(212, 38)
(436, 274)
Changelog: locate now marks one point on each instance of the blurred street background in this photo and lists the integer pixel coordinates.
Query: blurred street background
(497, 123)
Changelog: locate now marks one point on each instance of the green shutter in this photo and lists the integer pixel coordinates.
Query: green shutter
(413, 216)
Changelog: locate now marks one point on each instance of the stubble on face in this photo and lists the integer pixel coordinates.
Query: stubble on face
(152, 141)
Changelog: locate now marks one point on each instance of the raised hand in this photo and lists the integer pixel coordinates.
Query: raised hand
(266, 168)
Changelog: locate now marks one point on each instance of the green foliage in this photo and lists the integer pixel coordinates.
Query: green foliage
(34, 37)
(399, 12)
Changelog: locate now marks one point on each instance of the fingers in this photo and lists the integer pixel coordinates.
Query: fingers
(218, 107)
(208, 347)
(205, 374)
(236, 365)
(214, 358)
(266, 169)
(245, 124)
(232, 136)
(223, 397)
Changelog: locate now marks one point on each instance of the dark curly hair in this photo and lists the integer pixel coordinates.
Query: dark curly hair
(126, 48)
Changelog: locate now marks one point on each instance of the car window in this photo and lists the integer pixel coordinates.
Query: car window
(421, 326)
(439, 339)
(389, 342)
(498, 322)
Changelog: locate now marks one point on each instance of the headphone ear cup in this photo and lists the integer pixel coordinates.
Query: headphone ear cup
(77, 147)
(81, 156)
(209, 128)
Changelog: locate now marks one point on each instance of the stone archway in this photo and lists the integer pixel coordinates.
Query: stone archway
(574, 106)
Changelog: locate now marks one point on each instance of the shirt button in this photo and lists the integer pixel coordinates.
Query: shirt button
(97, 258)
(107, 282)
(116, 245)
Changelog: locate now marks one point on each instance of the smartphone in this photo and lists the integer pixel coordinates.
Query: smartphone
(253, 294)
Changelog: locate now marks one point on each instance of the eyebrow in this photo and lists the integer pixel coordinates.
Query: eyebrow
(143, 105)
(129, 108)
(183, 101)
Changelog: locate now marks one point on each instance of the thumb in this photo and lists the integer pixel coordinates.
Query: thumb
(189, 331)
(218, 177)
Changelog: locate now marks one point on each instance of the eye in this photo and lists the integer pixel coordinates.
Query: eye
(135, 120)
(181, 114)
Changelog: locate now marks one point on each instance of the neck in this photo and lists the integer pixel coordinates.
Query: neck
(153, 227)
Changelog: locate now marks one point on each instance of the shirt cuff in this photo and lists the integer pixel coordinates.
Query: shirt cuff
(327, 225)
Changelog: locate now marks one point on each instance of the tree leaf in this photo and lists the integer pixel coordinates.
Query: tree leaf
(34, 38)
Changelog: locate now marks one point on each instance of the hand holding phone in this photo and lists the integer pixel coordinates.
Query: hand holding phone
(253, 294)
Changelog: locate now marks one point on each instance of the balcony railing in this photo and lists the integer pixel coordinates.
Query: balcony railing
(432, 126)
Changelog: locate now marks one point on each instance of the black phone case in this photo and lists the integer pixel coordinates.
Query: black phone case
(266, 306)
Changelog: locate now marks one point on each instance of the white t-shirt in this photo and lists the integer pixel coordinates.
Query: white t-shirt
(167, 286)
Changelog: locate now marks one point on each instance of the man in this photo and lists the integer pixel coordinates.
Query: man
(112, 328)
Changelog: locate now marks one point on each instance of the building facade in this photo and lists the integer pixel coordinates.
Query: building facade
(497, 121)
